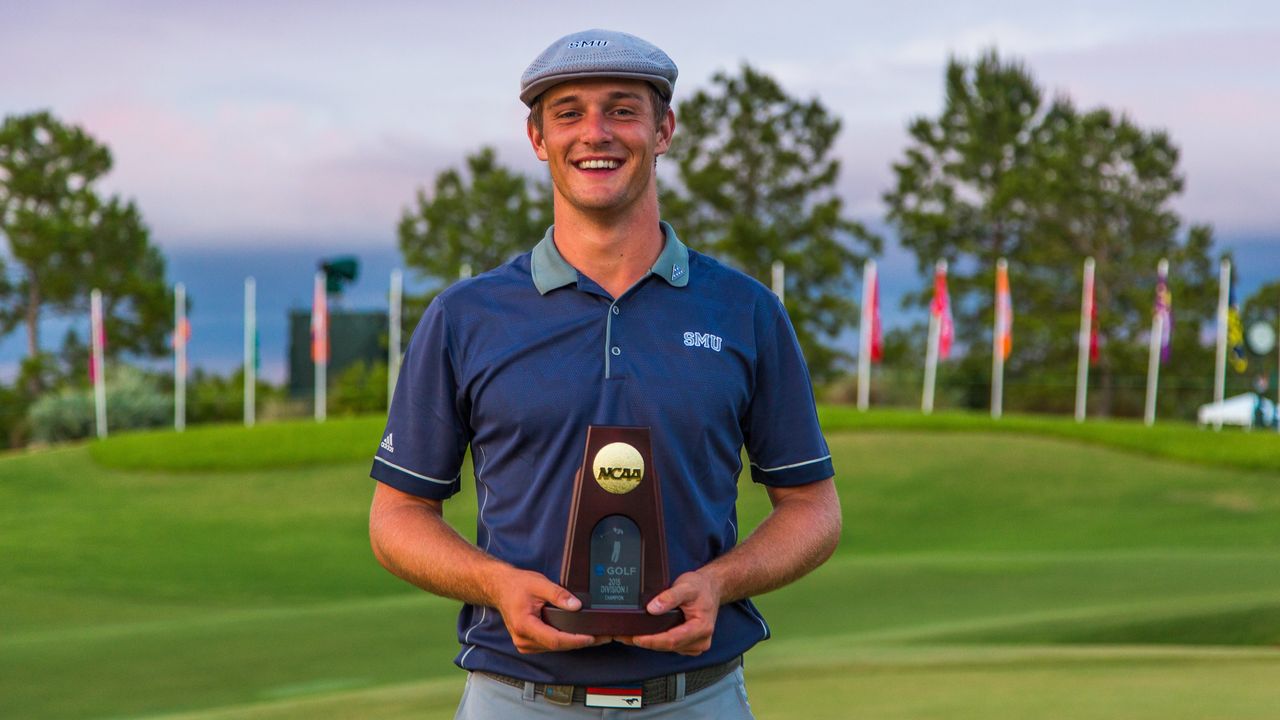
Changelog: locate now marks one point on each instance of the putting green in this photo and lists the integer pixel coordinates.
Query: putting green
(979, 576)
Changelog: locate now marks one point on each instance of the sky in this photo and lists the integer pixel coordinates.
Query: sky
(260, 136)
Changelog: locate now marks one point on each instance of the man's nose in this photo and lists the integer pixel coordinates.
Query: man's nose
(595, 128)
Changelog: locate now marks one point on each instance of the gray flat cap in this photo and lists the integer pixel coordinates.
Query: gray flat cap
(598, 53)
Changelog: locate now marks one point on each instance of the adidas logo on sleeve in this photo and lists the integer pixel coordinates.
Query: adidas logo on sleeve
(387, 444)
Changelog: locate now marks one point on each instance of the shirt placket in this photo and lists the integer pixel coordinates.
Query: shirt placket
(612, 340)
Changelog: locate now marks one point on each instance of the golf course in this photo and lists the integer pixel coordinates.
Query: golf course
(1031, 568)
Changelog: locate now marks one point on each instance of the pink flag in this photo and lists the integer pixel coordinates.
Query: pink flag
(319, 324)
(877, 338)
(941, 309)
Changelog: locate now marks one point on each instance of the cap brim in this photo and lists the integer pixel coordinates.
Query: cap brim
(529, 94)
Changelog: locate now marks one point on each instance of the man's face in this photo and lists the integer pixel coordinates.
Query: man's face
(600, 139)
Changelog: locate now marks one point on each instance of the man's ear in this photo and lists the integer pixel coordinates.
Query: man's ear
(666, 129)
(537, 140)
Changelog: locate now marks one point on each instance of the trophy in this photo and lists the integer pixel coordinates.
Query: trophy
(615, 550)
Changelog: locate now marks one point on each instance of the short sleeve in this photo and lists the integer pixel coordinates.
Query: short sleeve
(425, 440)
(783, 439)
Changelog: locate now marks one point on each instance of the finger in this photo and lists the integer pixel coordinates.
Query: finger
(556, 595)
(537, 636)
(672, 597)
(667, 640)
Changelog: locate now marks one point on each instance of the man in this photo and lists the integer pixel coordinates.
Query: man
(610, 320)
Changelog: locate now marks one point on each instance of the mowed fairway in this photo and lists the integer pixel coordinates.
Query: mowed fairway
(980, 576)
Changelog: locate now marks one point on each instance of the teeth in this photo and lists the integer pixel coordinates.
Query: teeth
(598, 164)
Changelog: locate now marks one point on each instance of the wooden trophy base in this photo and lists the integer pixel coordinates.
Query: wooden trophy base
(610, 622)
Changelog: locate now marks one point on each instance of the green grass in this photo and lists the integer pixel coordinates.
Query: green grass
(291, 443)
(301, 442)
(980, 575)
(1257, 450)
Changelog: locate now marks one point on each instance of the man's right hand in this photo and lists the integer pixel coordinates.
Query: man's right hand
(520, 596)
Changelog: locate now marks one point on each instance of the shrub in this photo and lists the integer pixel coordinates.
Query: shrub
(134, 400)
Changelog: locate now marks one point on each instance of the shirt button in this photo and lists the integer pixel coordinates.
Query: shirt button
(617, 350)
(615, 310)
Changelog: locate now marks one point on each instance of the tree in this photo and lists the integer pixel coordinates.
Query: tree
(1000, 173)
(65, 240)
(480, 220)
(756, 184)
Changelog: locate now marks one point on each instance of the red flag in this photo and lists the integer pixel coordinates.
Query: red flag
(319, 324)
(1004, 312)
(1093, 321)
(941, 309)
(877, 338)
(1094, 352)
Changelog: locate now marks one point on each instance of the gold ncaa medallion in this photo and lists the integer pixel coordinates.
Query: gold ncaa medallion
(618, 468)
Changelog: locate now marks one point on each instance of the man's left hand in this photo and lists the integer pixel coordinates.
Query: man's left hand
(699, 598)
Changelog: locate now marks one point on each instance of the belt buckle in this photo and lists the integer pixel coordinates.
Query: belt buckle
(558, 694)
(626, 696)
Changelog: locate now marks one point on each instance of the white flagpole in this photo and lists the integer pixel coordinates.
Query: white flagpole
(250, 351)
(931, 348)
(1220, 368)
(179, 358)
(393, 333)
(779, 270)
(1086, 331)
(997, 350)
(1153, 359)
(864, 335)
(99, 376)
(321, 363)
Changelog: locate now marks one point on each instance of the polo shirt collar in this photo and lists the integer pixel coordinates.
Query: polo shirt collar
(551, 271)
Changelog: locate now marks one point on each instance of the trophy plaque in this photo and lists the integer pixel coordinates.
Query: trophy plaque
(615, 550)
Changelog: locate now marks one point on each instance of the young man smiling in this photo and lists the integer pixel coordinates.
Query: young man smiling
(593, 327)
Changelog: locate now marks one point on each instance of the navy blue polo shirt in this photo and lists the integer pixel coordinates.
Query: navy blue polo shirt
(518, 362)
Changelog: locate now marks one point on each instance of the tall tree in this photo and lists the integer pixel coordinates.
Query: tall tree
(47, 170)
(481, 219)
(65, 240)
(999, 173)
(756, 184)
(137, 302)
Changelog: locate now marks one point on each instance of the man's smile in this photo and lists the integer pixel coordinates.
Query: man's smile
(598, 164)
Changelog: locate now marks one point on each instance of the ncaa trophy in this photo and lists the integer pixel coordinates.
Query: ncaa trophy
(615, 549)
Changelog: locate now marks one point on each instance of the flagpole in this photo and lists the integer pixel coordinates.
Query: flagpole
(931, 347)
(250, 351)
(1086, 334)
(1220, 366)
(320, 343)
(864, 335)
(997, 348)
(179, 357)
(1153, 360)
(100, 371)
(393, 333)
(779, 277)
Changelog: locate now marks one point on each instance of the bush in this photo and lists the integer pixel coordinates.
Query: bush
(360, 389)
(134, 400)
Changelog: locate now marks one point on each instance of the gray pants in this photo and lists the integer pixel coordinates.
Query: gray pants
(487, 699)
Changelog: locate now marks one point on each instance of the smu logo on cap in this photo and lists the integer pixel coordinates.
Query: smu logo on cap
(586, 43)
